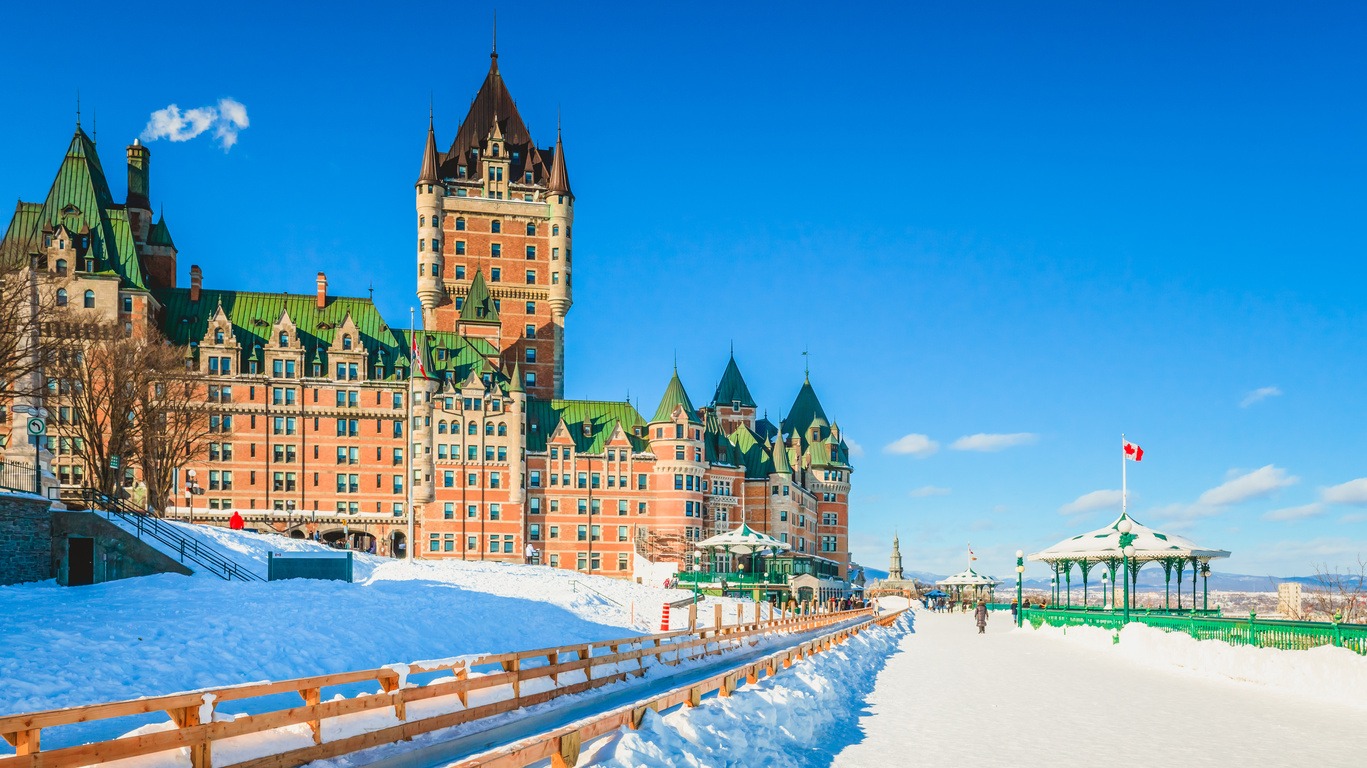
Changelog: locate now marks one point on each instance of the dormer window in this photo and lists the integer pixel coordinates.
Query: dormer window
(527, 177)
(494, 151)
(735, 405)
(218, 336)
(346, 341)
(61, 267)
(90, 265)
(460, 172)
(284, 339)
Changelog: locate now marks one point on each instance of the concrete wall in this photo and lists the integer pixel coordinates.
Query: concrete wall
(118, 554)
(25, 538)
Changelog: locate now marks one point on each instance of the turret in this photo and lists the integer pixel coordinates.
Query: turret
(431, 263)
(561, 203)
(139, 203)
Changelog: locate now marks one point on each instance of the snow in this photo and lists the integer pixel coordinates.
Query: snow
(168, 633)
(801, 717)
(1026, 697)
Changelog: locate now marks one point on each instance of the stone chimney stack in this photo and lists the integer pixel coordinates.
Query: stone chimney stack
(196, 282)
(322, 291)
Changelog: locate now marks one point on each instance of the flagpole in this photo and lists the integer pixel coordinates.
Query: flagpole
(1124, 495)
(408, 449)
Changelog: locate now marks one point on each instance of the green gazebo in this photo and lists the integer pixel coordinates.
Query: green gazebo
(1104, 547)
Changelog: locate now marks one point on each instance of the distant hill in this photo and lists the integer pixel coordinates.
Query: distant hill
(1151, 578)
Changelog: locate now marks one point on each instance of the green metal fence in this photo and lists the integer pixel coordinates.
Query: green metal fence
(731, 578)
(1260, 633)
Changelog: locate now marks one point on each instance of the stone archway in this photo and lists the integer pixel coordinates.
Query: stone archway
(398, 544)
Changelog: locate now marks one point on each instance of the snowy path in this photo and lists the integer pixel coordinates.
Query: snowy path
(951, 698)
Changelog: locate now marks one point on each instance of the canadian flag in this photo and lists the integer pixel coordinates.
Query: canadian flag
(418, 366)
(1132, 451)
(971, 556)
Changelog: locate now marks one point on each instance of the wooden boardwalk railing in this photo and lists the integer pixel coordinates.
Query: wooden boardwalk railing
(562, 745)
(197, 730)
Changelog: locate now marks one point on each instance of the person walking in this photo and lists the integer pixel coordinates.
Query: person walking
(980, 614)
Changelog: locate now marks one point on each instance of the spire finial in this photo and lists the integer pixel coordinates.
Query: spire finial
(806, 365)
(493, 53)
(430, 100)
(676, 361)
(78, 108)
(733, 349)
(95, 126)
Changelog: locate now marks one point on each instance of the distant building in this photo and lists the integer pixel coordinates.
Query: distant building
(326, 412)
(1290, 604)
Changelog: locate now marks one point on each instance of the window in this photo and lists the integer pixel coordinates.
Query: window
(555, 278)
(89, 299)
(531, 277)
(496, 250)
(495, 274)
(678, 482)
(531, 227)
(531, 252)
(495, 226)
(127, 304)
(531, 378)
(534, 532)
(61, 297)
(460, 221)
(531, 354)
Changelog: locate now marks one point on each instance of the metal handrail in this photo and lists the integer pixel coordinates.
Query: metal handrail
(187, 547)
(17, 477)
(1262, 633)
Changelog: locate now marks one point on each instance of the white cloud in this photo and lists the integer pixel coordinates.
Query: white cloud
(1295, 513)
(926, 491)
(856, 449)
(1255, 484)
(1351, 492)
(916, 445)
(988, 442)
(1091, 502)
(1258, 395)
(227, 120)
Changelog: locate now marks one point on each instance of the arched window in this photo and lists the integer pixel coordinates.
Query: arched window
(61, 267)
(488, 427)
(555, 229)
(531, 229)
(284, 339)
(61, 297)
(496, 226)
(441, 427)
(495, 151)
(346, 341)
(89, 299)
(502, 429)
(473, 429)
(218, 335)
(460, 224)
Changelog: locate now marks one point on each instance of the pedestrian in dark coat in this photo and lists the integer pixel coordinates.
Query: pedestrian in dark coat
(980, 615)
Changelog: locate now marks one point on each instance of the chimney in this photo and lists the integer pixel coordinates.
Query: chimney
(196, 281)
(322, 291)
(139, 177)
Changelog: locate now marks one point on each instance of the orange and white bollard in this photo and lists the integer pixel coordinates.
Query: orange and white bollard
(664, 617)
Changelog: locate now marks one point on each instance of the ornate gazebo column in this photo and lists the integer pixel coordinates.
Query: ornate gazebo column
(1068, 578)
(1167, 583)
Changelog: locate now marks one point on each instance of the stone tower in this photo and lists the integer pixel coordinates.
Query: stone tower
(496, 205)
(895, 563)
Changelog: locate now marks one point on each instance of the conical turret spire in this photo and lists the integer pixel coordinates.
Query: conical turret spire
(732, 387)
(479, 305)
(430, 160)
(780, 451)
(675, 396)
(560, 178)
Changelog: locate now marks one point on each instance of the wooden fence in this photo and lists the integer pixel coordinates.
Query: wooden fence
(197, 730)
(562, 745)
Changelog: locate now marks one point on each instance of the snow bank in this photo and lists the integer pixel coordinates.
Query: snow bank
(1327, 674)
(802, 717)
(167, 633)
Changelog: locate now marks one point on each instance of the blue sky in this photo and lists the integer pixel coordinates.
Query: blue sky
(1058, 222)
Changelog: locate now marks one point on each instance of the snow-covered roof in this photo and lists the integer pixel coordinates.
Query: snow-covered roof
(742, 541)
(1104, 544)
(967, 578)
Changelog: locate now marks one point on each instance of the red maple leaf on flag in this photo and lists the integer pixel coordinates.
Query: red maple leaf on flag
(1133, 451)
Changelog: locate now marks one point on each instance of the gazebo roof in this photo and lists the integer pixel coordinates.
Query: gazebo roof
(967, 578)
(743, 540)
(1104, 544)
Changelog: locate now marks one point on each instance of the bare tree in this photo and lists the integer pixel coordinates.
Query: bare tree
(171, 420)
(27, 312)
(1341, 592)
(97, 385)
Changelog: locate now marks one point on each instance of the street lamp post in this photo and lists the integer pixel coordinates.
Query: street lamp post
(1053, 591)
(1020, 576)
(1126, 555)
(1107, 595)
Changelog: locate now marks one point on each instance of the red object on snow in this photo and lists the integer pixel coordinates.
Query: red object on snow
(664, 618)
(1133, 452)
(235, 522)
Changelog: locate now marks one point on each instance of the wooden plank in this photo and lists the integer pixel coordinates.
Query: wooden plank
(312, 696)
(567, 751)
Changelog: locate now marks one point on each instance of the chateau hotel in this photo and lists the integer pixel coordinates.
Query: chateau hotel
(313, 431)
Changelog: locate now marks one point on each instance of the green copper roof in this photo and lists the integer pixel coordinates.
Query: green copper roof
(732, 387)
(253, 316)
(543, 416)
(79, 200)
(479, 306)
(716, 444)
(449, 356)
(675, 396)
(782, 466)
(160, 234)
(750, 450)
(806, 409)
